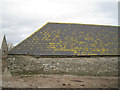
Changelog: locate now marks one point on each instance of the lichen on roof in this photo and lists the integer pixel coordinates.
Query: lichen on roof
(70, 39)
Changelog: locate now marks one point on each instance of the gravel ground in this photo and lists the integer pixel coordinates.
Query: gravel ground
(59, 81)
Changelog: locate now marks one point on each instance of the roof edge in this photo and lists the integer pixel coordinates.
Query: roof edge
(82, 24)
(28, 37)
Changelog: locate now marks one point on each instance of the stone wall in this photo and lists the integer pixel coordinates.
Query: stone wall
(100, 66)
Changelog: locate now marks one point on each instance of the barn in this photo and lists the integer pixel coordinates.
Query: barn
(66, 41)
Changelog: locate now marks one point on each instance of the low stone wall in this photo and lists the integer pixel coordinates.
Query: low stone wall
(95, 66)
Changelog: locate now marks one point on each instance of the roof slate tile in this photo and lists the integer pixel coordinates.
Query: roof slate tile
(70, 39)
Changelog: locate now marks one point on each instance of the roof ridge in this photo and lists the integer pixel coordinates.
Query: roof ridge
(82, 24)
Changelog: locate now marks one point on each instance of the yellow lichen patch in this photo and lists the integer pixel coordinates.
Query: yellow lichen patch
(51, 43)
(75, 51)
(81, 42)
(93, 44)
(93, 54)
(76, 47)
(106, 44)
(103, 49)
(98, 50)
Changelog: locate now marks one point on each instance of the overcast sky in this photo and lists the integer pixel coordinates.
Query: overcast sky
(20, 18)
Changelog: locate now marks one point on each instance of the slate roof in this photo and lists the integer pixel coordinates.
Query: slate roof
(70, 39)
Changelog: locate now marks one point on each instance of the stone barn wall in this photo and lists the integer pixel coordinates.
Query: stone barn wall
(96, 66)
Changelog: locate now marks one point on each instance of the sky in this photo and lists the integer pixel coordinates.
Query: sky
(20, 18)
